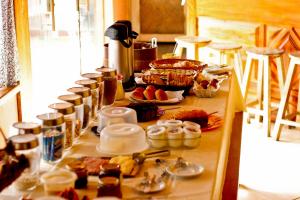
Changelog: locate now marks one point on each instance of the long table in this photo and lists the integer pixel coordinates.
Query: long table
(218, 149)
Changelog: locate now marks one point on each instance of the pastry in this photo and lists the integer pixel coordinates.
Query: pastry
(126, 163)
(139, 89)
(151, 87)
(198, 116)
(161, 95)
(93, 164)
(138, 95)
(149, 94)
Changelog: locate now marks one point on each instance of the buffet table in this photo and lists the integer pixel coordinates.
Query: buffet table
(212, 153)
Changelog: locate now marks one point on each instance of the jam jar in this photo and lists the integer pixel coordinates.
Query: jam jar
(68, 110)
(76, 100)
(82, 175)
(109, 85)
(28, 145)
(85, 92)
(94, 87)
(109, 186)
(110, 169)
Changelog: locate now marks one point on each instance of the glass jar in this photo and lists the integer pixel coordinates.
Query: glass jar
(68, 110)
(53, 128)
(85, 92)
(99, 78)
(109, 85)
(120, 94)
(94, 87)
(76, 100)
(110, 169)
(109, 186)
(30, 128)
(28, 145)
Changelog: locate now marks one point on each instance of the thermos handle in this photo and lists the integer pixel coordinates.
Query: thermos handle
(153, 42)
(127, 45)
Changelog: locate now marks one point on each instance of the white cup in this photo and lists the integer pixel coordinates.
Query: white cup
(192, 136)
(189, 123)
(174, 136)
(173, 122)
(157, 136)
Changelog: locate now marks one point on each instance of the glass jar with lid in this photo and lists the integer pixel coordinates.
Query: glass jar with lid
(68, 110)
(99, 78)
(53, 130)
(30, 128)
(109, 85)
(85, 92)
(109, 186)
(94, 87)
(28, 145)
(76, 100)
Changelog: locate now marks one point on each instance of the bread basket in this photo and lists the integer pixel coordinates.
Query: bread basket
(205, 93)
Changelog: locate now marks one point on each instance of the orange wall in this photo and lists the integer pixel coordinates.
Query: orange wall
(122, 9)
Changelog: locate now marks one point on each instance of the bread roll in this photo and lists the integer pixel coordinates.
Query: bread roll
(139, 89)
(149, 94)
(137, 95)
(151, 88)
(161, 95)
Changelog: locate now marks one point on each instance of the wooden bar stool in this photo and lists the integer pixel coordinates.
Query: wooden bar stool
(192, 45)
(282, 118)
(223, 50)
(263, 93)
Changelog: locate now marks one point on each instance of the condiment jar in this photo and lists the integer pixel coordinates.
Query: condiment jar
(109, 85)
(110, 169)
(82, 175)
(94, 87)
(85, 92)
(28, 145)
(53, 128)
(99, 78)
(68, 110)
(109, 186)
(76, 100)
(30, 128)
(120, 94)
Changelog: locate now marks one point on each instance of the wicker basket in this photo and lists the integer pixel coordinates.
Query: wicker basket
(205, 93)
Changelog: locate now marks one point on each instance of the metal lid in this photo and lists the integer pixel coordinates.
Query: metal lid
(83, 91)
(24, 141)
(63, 108)
(94, 76)
(72, 98)
(92, 84)
(28, 127)
(52, 119)
(117, 31)
(106, 72)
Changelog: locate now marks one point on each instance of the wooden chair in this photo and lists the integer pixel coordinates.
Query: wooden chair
(282, 118)
(263, 93)
(192, 45)
(223, 50)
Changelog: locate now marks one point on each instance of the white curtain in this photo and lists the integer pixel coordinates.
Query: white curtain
(9, 70)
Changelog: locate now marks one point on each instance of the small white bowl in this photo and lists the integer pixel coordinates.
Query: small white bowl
(58, 180)
(189, 123)
(191, 136)
(157, 136)
(173, 122)
(175, 136)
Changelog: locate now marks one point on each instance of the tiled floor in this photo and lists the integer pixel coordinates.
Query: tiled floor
(269, 169)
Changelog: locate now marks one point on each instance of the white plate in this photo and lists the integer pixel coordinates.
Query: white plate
(174, 97)
(121, 153)
(189, 171)
(151, 189)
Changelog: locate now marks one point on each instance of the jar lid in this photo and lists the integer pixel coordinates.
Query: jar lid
(83, 91)
(72, 98)
(117, 111)
(106, 72)
(52, 119)
(109, 180)
(24, 141)
(76, 165)
(28, 127)
(92, 84)
(63, 108)
(94, 76)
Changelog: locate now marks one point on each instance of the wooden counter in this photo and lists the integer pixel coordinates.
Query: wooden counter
(212, 153)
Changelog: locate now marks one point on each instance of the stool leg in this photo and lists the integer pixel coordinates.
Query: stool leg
(260, 88)
(191, 52)
(267, 97)
(238, 66)
(246, 77)
(178, 50)
(223, 58)
(283, 102)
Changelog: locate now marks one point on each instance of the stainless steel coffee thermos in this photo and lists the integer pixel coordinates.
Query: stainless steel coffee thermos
(120, 51)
